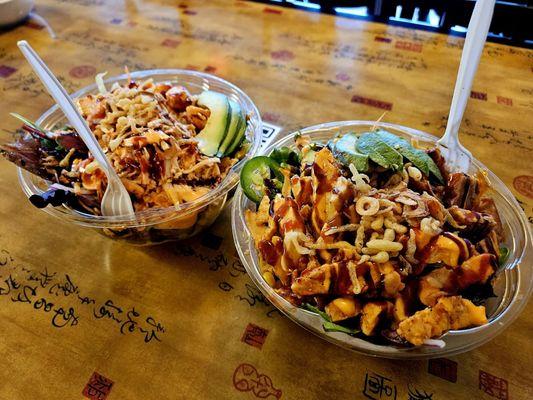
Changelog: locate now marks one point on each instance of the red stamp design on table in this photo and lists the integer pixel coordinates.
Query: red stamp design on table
(189, 12)
(34, 25)
(410, 46)
(504, 100)
(170, 43)
(210, 69)
(342, 76)
(524, 185)
(478, 95)
(246, 378)
(82, 71)
(372, 102)
(283, 55)
(382, 39)
(269, 10)
(6, 71)
(98, 387)
(270, 117)
(493, 386)
(254, 335)
(443, 368)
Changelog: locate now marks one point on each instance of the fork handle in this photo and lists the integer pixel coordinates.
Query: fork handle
(63, 100)
(476, 36)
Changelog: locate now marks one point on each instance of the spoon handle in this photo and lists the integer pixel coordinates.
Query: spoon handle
(476, 35)
(60, 95)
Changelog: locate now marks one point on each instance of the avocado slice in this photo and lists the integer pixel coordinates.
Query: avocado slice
(238, 137)
(418, 157)
(233, 128)
(210, 138)
(379, 151)
(344, 149)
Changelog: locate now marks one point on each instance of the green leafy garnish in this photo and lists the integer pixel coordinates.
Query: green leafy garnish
(344, 149)
(504, 255)
(285, 155)
(332, 327)
(327, 324)
(379, 151)
(316, 310)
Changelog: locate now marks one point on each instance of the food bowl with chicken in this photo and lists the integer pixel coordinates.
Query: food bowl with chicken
(359, 232)
(177, 139)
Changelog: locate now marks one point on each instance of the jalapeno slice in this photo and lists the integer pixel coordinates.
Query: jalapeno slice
(258, 176)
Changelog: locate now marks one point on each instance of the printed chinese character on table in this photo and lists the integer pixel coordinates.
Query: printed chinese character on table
(378, 387)
(254, 336)
(417, 394)
(493, 386)
(443, 368)
(98, 387)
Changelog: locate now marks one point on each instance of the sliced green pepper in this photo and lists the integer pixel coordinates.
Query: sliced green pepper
(285, 155)
(253, 176)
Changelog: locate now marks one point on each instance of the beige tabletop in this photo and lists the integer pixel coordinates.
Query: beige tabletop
(81, 315)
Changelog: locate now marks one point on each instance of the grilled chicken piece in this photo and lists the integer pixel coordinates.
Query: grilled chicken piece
(92, 109)
(449, 313)
(343, 308)
(261, 225)
(444, 282)
(486, 206)
(314, 281)
(374, 312)
(444, 250)
(461, 190)
(325, 173)
(404, 302)
(438, 283)
(437, 157)
(178, 98)
(490, 244)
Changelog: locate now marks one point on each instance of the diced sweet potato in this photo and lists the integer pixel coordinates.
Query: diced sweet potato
(444, 250)
(449, 313)
(422, 238)
(477, 269)
(392, 283)
(439, 282)
(400, 311)
(373, 313)
(343, 308)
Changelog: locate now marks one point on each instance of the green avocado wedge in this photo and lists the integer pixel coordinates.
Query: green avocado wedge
(344, 149)
(418, 157)
(379, 151)
(210, 138)
(236, 120)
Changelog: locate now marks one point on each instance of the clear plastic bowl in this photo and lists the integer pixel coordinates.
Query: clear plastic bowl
(159, 224)
(512, 286)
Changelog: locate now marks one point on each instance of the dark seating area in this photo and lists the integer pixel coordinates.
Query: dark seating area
(512, 22)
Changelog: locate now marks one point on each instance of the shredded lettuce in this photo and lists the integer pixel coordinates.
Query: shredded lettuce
(504, 255)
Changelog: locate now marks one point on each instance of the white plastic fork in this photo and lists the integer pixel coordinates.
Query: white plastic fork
(457, 156)
(116, 200)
